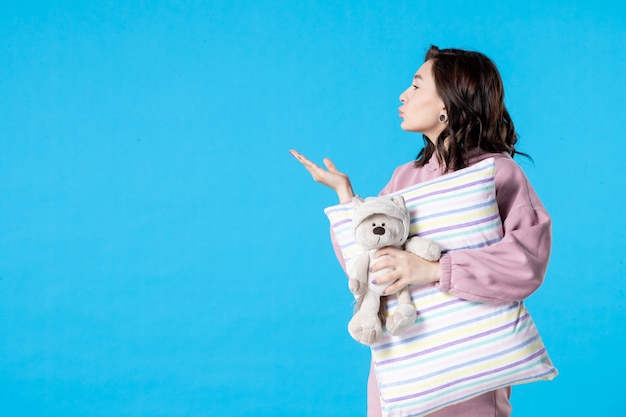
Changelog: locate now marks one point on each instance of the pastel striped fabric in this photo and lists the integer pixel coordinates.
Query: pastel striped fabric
(457, 349)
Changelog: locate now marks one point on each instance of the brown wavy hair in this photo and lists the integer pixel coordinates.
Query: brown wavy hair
(471, 89)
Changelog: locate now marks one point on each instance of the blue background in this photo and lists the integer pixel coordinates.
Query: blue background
(161, 253)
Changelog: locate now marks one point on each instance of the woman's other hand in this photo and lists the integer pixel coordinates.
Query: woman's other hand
(404, 268)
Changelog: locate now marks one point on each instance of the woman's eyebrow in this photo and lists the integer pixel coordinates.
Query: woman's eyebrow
(418, 77)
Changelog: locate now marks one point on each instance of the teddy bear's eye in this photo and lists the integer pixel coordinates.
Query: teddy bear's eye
(383, 225)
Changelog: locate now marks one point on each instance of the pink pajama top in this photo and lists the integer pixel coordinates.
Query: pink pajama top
(509, 270)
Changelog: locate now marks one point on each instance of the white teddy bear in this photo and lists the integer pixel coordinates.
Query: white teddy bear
(378, 222)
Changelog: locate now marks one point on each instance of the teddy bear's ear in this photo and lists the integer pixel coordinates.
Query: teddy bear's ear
(399, 200)
(357, 201)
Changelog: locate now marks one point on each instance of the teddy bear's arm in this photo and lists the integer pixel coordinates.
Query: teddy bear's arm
(423, 248)
(358, 273)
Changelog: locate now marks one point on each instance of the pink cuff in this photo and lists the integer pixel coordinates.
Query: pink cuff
(445, 263)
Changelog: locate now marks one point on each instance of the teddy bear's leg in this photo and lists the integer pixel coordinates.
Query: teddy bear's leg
(365, 326)
(404, 316)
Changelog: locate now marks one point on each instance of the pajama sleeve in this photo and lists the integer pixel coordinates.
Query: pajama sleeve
(513, 268)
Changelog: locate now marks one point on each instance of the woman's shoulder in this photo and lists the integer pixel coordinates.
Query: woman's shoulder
(512, 186)
(406, 168)
(407, 174)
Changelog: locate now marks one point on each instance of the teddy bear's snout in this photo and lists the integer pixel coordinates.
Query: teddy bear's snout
(378, 230)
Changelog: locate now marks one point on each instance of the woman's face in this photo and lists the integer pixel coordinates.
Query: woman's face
(421, 105)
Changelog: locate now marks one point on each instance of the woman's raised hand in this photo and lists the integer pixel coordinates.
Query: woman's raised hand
(329, 177)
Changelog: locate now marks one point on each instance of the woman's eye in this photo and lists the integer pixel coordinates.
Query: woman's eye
(415, 87)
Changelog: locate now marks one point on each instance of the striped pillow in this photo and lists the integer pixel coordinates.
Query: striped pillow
(456, 349)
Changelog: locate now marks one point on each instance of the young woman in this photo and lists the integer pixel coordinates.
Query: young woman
(456, 100)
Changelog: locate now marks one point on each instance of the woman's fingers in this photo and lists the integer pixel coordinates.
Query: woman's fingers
(329, 165)
(392, 277)
(315, 170)
(297, 155)
(395, 287)
(389, 251)
(381, 262)
(302, 159)
(329, 177)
